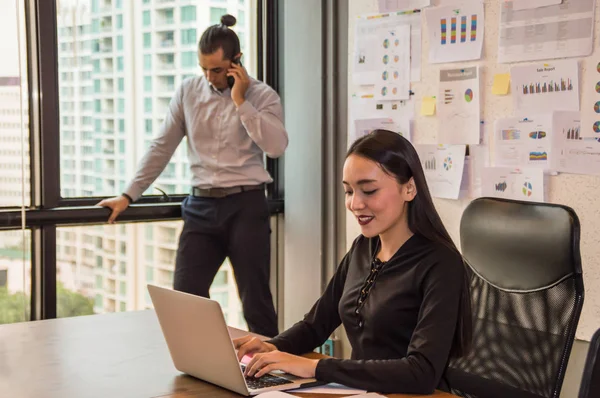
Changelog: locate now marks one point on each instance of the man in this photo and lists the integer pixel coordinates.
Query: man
(228, 125)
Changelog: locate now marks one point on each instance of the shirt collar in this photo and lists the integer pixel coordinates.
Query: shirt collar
(216, 90)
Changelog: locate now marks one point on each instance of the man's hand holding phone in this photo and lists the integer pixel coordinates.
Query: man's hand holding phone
(241, 83)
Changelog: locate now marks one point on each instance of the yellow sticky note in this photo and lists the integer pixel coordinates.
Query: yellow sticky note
(428, 106)
(501, 84)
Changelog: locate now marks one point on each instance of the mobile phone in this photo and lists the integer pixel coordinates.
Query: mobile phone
(231, 79)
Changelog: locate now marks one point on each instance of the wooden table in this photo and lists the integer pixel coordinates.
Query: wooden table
(113, 355)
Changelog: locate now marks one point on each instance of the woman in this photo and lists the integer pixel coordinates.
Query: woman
(401, 291)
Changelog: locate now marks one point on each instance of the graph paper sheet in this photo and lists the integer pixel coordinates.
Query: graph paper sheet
(458, 105)
(556, 31)
(543, 88)
(523, 142)
(443, 166)
(518, 184)
(455, 32)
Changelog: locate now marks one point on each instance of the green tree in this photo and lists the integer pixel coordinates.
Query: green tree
(72, 303)
(15, 307)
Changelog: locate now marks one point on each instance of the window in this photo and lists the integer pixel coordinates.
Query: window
(188, 36)
(188, 14)
(146, 18)
(220, 278)
(149, 253)
(15, 268)
(216, 14)
(241, 19)
(99, 144)
(98, 301)
(149, 232)
(168, 16)
(189, 59)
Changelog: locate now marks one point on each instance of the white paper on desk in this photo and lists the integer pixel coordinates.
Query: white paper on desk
(371, 114)
(518, 184)
(394, 64)
(455, 32)
(274, 394)
(545, 87)
(331, 388)
(518, 5)
(365, 71)
(401, 5)
(524, 142)
(572, 152)
(556, 31)
(443, 166)
(458, 106)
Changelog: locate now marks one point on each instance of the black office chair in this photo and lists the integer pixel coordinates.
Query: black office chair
(590, 382)
(527, 293)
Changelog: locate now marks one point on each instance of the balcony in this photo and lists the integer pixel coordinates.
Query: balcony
(167, 43)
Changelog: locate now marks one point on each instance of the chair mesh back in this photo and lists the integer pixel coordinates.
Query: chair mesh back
(519, 341)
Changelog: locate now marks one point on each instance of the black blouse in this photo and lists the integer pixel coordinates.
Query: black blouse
(402, 333)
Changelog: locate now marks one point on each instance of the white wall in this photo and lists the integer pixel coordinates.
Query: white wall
(579, 192)
(301, 93)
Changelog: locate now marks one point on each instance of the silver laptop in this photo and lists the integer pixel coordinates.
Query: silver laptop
(200, 345)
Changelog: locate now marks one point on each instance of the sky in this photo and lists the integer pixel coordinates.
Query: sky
(9, 66)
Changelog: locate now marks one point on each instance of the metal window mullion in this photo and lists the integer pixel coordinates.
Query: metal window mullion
(43, 273)
(49, 121)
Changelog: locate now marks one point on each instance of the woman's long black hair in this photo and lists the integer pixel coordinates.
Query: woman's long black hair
(398, 158)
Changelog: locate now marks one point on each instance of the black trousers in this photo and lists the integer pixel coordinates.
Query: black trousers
(236, 226)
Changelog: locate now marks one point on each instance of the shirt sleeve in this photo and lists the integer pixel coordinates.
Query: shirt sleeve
(263, 121)
(421, 370)
(161, 149)
(322, 319)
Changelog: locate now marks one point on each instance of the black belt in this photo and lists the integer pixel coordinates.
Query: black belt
(222, 192)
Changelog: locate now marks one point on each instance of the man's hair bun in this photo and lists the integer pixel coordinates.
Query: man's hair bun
(228, 20)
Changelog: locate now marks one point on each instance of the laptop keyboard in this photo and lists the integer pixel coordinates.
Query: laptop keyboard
(265, 381)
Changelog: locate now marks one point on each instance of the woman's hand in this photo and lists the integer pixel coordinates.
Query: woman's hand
(249, 345)
(264, 363)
